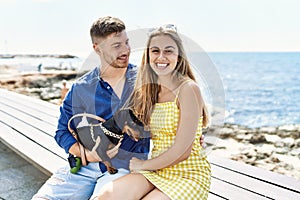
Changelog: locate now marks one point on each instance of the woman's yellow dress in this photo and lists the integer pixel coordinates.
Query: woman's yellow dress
(189, 179)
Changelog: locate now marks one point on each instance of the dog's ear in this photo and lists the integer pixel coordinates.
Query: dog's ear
(121, 117)
(134, 118)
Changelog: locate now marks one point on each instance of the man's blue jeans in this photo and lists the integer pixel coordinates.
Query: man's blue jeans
(83, 185)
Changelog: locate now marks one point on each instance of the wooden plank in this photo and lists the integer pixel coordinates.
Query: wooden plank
(263, 175)
(19, 97)
(33, 133)
(251, 184)
(24, 100)
(37, 112)
(212, 196)
(232, 192)
(38, 123)
(40, 157)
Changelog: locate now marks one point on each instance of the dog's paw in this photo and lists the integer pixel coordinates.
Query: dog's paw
(112, 170)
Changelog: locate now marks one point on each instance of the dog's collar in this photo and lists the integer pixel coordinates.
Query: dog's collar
(109, 133)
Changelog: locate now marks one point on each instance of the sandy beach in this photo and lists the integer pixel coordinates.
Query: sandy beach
(275, 148)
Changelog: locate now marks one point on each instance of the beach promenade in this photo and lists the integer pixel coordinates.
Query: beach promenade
(19, 179)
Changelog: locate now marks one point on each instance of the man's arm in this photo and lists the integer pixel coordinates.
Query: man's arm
(63, 137)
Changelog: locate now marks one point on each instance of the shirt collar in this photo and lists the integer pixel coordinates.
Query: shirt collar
(130, 72)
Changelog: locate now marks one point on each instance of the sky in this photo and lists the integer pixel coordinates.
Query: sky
(62, 26)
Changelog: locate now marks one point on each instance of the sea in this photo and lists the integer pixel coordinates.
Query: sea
(261, 88)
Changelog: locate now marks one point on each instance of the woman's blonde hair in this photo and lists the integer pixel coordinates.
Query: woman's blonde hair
(146, 90)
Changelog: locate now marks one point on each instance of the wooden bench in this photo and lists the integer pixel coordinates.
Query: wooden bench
(27, 125)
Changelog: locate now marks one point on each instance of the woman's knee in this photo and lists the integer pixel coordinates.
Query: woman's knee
(108, 192)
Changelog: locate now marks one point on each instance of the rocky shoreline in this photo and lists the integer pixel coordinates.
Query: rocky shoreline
(273, 148)
(46, 85)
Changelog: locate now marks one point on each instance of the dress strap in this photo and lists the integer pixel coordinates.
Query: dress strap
(179, 88)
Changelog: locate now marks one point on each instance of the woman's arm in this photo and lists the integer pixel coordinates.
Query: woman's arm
(191, 106)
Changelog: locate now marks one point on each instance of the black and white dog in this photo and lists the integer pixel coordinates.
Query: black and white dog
(98, 138)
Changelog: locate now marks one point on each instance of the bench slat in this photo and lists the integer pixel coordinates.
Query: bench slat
(32, 133)
(26, 118)
(212, 196)
(249, 183)
(263, 175)
(24, 100)
(36, 112)
(40, 157)
(229, 191)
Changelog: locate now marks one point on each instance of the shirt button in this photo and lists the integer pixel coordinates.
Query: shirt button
(108, 87)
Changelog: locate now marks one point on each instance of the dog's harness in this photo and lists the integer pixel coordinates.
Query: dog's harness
(105, 130)
(109, 133)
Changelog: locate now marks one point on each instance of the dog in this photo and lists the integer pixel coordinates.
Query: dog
(98, 138)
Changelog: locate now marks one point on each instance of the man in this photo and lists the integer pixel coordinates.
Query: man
(102, 92)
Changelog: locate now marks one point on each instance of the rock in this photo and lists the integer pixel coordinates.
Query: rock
(264, 165)
(297, 142)
(225, 133)
(269, 129)
(295, 152)
(283, 134)
(257, 138)
(288, 142)
(243, 137)
(287, 166)
(218, 147)
(274, 159)
(279, 144)
(250, 153)
(210, 140)
(282, 150)
(287, 128)
(50, 93)
(272, 138)
(266, 150)
(238, 157)
(289, 131)
(65, 56)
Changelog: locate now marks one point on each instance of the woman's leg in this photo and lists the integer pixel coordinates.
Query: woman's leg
(156, 194)
(107, 178)
(131, 186)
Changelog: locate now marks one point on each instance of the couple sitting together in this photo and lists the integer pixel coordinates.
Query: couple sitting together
(161, 96)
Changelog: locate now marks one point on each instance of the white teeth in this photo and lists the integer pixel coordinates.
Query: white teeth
(161, 65)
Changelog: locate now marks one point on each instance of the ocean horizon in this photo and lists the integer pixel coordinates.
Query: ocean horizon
(261, 88)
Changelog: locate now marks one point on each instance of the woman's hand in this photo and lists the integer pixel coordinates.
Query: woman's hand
(136, 164)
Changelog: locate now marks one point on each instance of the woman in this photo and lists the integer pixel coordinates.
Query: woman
(168, 100)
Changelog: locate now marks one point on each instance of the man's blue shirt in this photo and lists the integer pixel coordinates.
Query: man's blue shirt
(91, 94)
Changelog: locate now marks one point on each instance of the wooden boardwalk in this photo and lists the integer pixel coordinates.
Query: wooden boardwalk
(28, 125)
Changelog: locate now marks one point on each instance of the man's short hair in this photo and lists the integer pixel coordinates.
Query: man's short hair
(104, 26)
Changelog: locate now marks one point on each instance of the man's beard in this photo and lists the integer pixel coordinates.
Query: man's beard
(114, 62)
